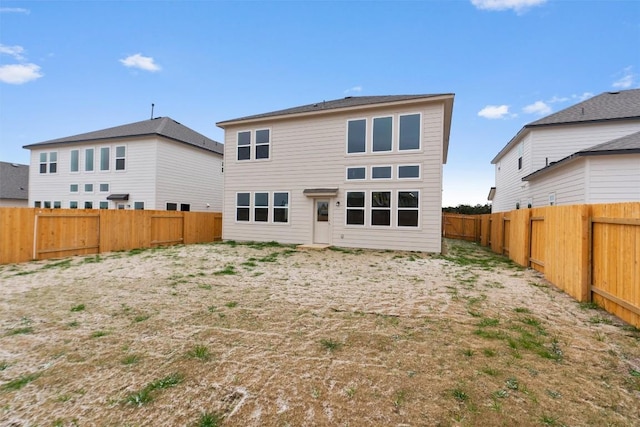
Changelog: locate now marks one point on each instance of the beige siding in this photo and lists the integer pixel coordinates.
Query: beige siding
(613, 179)
(567, 183)
(311, 153)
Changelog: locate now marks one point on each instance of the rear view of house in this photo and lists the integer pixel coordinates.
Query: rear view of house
(153, 164)
(355, 172)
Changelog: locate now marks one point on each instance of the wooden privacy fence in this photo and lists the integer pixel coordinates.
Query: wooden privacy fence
(461, 227)
(34, 233)
(591, 252)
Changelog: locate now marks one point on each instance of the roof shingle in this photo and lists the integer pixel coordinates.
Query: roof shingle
(14, 181)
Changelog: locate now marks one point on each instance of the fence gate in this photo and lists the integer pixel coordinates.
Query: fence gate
(537, 243)
(462, 227)
(63, 234)
(506, 228)
(167, 229)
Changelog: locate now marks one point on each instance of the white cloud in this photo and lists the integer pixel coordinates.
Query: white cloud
(626, 81)
(355, 89)
(18, 74)
(14, 10)
(519, 6)
(539, 107)
(555, 99)
(494, 111)
(583, 97)
(142, 62)
(14, 51)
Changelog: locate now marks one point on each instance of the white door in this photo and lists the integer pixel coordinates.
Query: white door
(321, 223)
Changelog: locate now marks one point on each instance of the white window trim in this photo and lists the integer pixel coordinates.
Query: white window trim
(366, 136)
(74, 201)
(410, 178)
(116, 157)
(250, 145)
(382, 166)
(274, 207)
(256, 145)
(394, 124)
(104, 191)
(74, 192)
(420, 136)
(371, 208)
(398, 209)
(364, 208)
(84, 160)
(79, 163)
(100, 160)
(346, 173)
(252, 201)
(84, 188)
(250, 207)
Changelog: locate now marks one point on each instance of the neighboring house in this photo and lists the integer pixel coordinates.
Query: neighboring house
(14, 185)
(587, 153)
(156, 164)
(355, 172)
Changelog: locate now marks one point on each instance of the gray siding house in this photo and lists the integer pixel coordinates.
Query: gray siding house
(14, 185)
(360, 172)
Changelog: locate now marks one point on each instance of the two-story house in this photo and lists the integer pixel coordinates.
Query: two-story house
(355, 172)
(587, 153)
(156, 164)
(14, 185)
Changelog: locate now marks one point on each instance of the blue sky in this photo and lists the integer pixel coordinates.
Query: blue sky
(72, 67)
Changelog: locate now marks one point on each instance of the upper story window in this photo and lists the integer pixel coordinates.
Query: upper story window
(382, 134)
(88, 160)
(104, 158)
(49, 162)
(75, 161)
(244, 145)
(409, 137)
(408, 171)
(121, 152)
(356, 173)
(262, 143)
(356, 136)
(381, 172)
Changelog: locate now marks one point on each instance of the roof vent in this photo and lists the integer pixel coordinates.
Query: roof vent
(614, 93)
(348, 97)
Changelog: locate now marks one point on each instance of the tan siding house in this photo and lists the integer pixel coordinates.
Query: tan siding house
(360, 172)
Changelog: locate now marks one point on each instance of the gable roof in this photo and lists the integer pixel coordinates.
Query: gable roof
(629, 144)
(608, 106)
(161, 126)
(14, 181)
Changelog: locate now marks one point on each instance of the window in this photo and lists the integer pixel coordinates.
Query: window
(552, 199)
(356, 136)
(139, 206)
(104, 188)
(88, 205)
(172, 206)
(381, 172)
(75, 160)
(261, 207)
(37, 204)
(57, 205)
(243, 201)
(104, 158)
(73, 205)
(519, 163)
(121, 152)
(120, 206)
(408, 208)
(47, 205)
(355, 208)
(104, 205)
(51, 165)
(382, 134)
(409, 138)
(356, 173)
(262, 144)
(73, 188)
(408, 171)
(88, 160)
(244, 145)
(381, 208)
(88, 188)
(280, 207)
(185, 207)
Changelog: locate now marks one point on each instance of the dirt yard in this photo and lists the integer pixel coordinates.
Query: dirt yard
(266, 335)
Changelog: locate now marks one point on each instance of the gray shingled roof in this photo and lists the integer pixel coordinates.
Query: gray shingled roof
(14, 181)
(348, 102)
(162, 126)
(629, 144)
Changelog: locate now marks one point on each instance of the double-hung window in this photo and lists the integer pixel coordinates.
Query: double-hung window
(243, 203)
(356, 136)
(355, 207)
(75, 161)
(49, 162)
(261, 207)
(121, 152)
(381, 208)
(408, 208)
(409, 135)
(104, 158)
(263, 141)
(244, 145)
(382, 134)
(280, 207)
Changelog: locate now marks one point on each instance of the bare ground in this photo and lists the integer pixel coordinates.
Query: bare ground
(265, 335)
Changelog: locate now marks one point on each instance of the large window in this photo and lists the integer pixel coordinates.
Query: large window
(408, 208)
(262, 143)
(356, 173)
(49, 162)
(355, 208)
(244, 145)
(243, 203)
(356, 136)
(88, 160)
(408, 171)
(381, 172)
(382, 134)
(280, 207)
(121, 152)
(104, 158)
(409, 138)
(381, 208)
(261, 207)
(75, 161)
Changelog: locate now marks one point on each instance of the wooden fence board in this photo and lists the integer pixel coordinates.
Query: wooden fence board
(16, 235)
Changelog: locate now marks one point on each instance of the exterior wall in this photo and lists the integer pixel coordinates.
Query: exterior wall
(188, 175)
(509, 185)
(14, 203)
(311, 153)
(566, 183)
(613, 178)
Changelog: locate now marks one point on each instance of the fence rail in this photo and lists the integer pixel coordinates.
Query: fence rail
(591, 252)
(33, 233)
